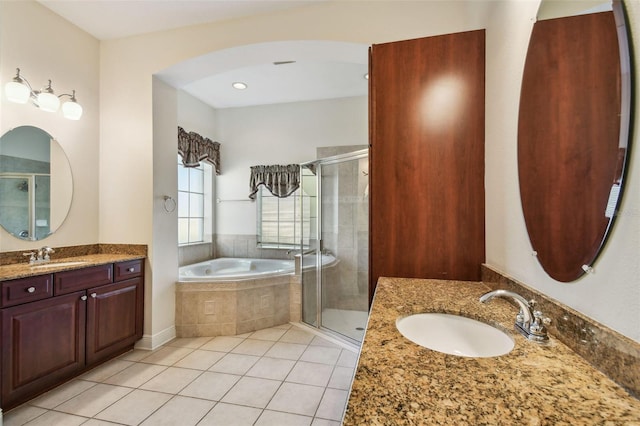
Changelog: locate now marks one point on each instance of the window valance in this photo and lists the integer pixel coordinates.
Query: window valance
(280, 180)
(194, 148)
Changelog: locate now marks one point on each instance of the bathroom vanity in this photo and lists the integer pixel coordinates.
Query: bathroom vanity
(399, 382)
(61, 318)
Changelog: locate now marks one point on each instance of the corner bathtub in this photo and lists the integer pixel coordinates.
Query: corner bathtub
(230, 296)
(234, 269)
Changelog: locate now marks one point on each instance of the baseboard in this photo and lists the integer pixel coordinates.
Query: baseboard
(151, 342)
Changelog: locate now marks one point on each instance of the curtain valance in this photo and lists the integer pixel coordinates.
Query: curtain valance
(280, 180)
(194, 148)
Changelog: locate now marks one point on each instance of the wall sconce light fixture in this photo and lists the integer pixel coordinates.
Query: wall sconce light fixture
(20, 91)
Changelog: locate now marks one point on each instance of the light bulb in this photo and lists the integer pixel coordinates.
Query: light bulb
(16, 91)
(72, 110)
(48, 102)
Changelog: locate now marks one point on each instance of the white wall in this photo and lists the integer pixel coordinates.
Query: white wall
(44, 46)
(277, 134)
(612, 294)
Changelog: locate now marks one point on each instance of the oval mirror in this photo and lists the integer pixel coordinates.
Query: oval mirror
(573, 132)
(36, 185)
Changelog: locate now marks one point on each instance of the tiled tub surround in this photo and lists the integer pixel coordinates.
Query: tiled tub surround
(230, 308)
(610, 352)
(399, 382)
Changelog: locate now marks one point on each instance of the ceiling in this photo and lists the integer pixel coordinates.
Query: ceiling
(315, 74)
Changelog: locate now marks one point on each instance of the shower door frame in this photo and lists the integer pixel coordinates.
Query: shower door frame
(335, 159)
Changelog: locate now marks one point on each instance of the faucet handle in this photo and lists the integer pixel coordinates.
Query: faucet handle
(32, 256)
(538, 328)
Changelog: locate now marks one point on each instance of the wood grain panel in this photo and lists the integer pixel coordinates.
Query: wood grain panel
(427, 158)
(568, 139)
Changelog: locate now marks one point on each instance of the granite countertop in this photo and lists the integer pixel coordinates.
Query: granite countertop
(398, 382)
(22, 270)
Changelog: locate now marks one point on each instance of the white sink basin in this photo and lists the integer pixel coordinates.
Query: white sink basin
(53, 264)
(455, 335)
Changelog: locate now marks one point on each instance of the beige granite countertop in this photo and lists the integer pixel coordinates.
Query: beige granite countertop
(22, 270)
(400, 383)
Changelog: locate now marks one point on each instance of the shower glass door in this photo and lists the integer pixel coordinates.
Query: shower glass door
(335, 284)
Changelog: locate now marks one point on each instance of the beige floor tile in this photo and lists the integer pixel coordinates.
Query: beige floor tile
(319, 341)
(252, 392)
(172, 380)
(96, 422)
(297, 336)
(347, 359)
(272, 418)
(272, 334)
(333, 404)
(210, 385)
(62, 393)
(135, 355)
(310, 373)
(168, 355)
(189, 342)
(253, 347)
(321, 354)
(136, 375)
(283, 326)
(21, 415)
(222, 343)
(134, 407)
(93, 400)
(291, 351)
(58, 419)
(341, 378)
(181, 411)
(297, 399)
(228, 414)
(323, 422)
(271, 368)
(200, 359)
(235, 364)
(106, 370)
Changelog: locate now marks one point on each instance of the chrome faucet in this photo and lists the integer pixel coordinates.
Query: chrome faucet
(530, 323)
(40, 255)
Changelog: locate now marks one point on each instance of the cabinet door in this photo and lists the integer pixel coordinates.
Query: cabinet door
(114, 318)
(42, 344)
(427, 158)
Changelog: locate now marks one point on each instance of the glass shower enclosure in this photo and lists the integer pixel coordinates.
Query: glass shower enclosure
(335, 244)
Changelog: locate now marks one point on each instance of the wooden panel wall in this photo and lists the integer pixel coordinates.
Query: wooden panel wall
(427, 158)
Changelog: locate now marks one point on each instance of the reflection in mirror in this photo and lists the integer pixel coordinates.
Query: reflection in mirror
(35, 183)
(573, 133)
(551, 9)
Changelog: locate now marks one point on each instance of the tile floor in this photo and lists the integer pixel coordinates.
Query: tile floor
(278, 376)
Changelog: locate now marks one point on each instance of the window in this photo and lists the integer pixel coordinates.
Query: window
(279, 219)
(195, 217)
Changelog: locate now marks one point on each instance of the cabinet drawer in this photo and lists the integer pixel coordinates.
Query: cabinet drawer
(82, 279)
(126, 270)
(25, 290)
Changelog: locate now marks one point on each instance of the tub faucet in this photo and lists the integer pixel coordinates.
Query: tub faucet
(530, 323)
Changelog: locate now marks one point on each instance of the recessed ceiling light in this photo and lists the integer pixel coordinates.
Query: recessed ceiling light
(239, 85)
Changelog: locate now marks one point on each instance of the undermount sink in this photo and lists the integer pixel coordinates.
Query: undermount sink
(54, 264)
(455, 335)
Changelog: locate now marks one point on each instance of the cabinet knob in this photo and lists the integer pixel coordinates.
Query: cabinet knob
(132, 269)
(94, 295)
(83, 297)
(31, 290)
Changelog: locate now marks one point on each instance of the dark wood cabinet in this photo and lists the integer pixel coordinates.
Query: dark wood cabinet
(113, 318)
(42, 345)
(52, 332)
(426, 160)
